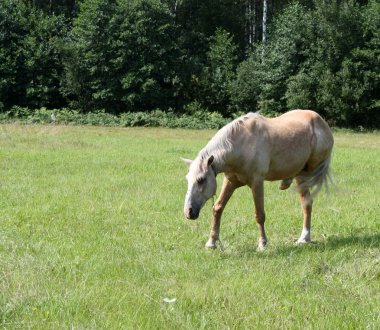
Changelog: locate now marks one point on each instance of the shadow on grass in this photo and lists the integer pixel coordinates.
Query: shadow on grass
(331, 243)
(366, 241)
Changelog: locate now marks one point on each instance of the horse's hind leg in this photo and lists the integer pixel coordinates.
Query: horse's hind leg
(307, 204)
(226, 192)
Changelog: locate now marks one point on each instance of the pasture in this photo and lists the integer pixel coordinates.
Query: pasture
(92, 235)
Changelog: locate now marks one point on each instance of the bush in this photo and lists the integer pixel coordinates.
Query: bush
(156, 118)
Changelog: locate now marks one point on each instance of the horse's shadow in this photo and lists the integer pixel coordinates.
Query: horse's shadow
(366, 241)
(335, 242)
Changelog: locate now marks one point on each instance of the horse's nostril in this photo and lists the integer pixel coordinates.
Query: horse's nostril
(190, 213)
(193, 214)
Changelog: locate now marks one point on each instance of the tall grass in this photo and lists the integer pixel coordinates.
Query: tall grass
(92, 236)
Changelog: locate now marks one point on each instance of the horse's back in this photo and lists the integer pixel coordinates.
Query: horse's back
(303, 122)
(297, 116)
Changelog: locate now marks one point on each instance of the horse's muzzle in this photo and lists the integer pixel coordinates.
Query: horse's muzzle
(190, 213)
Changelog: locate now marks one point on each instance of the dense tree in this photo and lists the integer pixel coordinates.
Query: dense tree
(123, 57)
(262, 79)
(336, 70)
(219, 73)
(223, 56)
(317, 58)
(69, 8)
(30, 56)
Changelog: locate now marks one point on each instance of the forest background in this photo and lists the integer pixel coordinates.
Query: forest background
(191, 57)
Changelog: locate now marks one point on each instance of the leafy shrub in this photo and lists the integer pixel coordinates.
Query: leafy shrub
(156, 118)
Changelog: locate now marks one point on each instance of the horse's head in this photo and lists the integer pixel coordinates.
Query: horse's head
(201, 181)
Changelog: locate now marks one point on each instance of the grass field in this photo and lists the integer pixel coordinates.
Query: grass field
(92, 236)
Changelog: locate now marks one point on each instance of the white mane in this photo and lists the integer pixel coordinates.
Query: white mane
(222, 143)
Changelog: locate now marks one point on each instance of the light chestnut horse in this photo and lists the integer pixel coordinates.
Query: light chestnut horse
(296, 145)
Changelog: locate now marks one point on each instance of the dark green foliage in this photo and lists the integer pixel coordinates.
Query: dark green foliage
(218, 74)
(342, 67)
(262, 79)
(122, 57)
(189, 57)
(30, 57)
(68, 8)
(324, 58)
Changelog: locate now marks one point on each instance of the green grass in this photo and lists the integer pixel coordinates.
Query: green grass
(92, 236)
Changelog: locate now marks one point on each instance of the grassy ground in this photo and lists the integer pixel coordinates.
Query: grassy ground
(92, 236)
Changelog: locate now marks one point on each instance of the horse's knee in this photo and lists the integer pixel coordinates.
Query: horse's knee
(217, 210)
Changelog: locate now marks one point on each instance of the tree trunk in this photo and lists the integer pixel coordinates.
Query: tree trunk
(250, 22)
(265, 13)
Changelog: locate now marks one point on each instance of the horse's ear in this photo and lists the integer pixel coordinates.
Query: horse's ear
(210, 160)
(187, 161)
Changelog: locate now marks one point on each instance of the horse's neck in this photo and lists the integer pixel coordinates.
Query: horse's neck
(224, 145)
(221, 155)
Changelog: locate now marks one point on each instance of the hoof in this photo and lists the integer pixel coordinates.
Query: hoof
(210, 244)
(303, 241)
(305, 237)
(261, 246)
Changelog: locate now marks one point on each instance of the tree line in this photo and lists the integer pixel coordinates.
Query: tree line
(187, 56)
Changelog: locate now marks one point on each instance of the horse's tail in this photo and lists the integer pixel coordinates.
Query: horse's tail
(320, 177)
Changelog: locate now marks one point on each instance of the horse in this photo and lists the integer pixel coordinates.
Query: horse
(251, 149)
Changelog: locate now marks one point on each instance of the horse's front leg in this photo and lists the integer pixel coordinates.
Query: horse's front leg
(226, 192)
(258, 196)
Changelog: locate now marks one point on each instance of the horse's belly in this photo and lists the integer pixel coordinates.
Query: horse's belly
(285, 168)
(281, 175)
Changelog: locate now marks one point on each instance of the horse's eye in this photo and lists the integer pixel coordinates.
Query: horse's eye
(201, 180)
